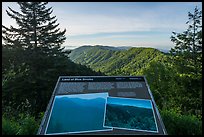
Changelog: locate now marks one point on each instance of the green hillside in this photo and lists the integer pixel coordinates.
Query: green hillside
(114, 61)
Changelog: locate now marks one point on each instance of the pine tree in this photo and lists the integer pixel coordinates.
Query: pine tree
(36, 27)
(35, 42)
(33, 60)
(188, 49)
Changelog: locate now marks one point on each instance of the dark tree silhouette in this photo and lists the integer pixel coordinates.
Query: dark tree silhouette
(188, 49)
(36, 27)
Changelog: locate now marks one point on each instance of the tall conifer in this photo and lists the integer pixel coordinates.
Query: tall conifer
(36, 27)
(188, 45)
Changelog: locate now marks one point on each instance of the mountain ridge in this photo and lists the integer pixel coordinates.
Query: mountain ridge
(115, 62)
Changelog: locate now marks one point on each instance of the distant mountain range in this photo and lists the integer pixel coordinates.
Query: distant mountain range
(164, 50)
(114, 60)
(109, 47)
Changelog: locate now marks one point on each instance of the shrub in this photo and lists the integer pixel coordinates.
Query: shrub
(9, 126)
(24, 124)
(177, 124)
(29, 125)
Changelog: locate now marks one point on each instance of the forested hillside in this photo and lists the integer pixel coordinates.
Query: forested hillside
(115, 62)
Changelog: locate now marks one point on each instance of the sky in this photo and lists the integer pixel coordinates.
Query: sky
(129, 102)
(136, 24)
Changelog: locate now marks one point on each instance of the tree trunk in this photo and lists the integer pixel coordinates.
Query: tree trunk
(194, 48)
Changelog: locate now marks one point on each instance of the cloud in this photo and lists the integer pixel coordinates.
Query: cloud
(163, 17)
(106, 23)
(90, 18)
(91, 24)
(116, 39)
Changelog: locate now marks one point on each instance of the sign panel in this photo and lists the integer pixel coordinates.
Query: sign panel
(125, 105)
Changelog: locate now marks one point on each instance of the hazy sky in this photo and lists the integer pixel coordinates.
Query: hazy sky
(129, 102)
(143, 24)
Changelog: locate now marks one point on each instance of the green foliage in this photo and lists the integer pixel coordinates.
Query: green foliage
(114, 61)
(177, 124)
(30, 71)
(38, 75)
(9, 126)
(188, 45)
(36, 27)
(29, 125)
(23, 124)
(160, 76)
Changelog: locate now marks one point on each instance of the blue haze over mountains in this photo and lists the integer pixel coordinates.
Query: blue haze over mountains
(110, 48)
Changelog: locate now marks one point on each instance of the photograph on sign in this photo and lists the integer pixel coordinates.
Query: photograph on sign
(130, 114)
(77, 114)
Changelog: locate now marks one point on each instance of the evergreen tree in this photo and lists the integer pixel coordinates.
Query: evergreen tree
(33, 58)
(188, 49)
(36, 27)
(187, 57)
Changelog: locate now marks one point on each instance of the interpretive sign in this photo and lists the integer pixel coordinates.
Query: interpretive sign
(102, 105)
